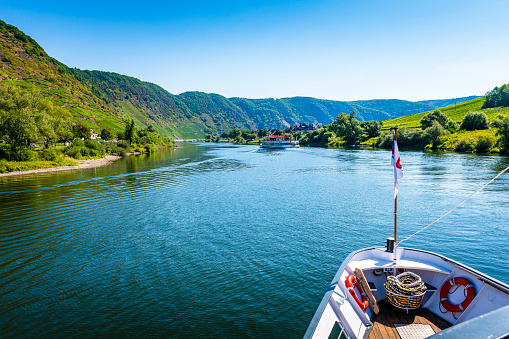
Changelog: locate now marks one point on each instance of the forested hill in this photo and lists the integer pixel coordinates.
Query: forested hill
(189, 114)
(101, 99)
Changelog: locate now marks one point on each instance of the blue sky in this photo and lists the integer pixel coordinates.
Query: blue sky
(339, 50)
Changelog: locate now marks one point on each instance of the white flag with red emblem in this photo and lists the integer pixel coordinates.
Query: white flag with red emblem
(396, 162)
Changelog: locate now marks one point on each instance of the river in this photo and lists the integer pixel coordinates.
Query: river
(221, 240)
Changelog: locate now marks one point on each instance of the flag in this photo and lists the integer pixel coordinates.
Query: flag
(396, 162)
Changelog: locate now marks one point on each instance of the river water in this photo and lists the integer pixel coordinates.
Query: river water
(220, 240)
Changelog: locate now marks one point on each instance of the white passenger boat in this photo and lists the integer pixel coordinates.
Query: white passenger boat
(396, 292)
(278, 142)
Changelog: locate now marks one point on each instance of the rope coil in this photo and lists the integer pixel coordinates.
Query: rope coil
(405, 290)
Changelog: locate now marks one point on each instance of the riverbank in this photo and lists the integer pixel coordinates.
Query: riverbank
(82, 164)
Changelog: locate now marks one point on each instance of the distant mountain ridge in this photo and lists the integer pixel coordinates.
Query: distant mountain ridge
(101, 99)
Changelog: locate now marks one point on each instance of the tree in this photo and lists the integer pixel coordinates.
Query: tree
(372, 128)
(239, 140)
(278, 132)
(502, 123)
(235, 133)
(441, 118)
(434, 132)
(262, 133)
(250, 136)
(130, 130)
(25, 117)
(81, 131)
(347, 127)
(497, 97)
(106, 134)
(474, 121)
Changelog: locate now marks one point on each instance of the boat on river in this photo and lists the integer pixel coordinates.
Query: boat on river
(279, 142)
(398, 292)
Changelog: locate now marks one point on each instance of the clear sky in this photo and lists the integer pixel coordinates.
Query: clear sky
(339, 50)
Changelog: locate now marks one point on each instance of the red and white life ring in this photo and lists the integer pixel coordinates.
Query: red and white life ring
(470, 294)
(352, 281)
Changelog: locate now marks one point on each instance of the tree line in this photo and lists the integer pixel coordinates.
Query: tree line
(27, 119)
(497, 97)
(346, 130)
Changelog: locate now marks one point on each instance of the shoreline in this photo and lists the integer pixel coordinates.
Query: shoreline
(82, 164)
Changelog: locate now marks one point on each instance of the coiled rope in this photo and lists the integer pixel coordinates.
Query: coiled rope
(461, 203)
(405, 290)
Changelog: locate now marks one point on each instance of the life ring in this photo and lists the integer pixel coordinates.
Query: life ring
(350, 281)
(470, 294)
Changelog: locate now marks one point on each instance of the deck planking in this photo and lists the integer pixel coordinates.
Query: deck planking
(389, 315)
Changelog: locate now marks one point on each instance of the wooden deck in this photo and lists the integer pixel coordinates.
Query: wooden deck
(390, 315)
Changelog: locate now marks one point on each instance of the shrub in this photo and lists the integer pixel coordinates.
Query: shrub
(385, 140)
(464, 145)
(49, 154)
(123, 144)
(113, 149)
(433, 134)
(483, 144)
(20, 154)
(474, 121)
(150, 148)
(95, 149)
(77, 142)
(74, 152)
(93, 145)
(409, 137)
(502, 123)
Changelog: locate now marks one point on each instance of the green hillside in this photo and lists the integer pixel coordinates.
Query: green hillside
(101, 99)
(24, 63)
(454, 112)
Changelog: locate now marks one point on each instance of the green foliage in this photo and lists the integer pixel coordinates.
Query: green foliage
(464, 145)
(129, 130)
(106, 134)
(502, 123)
(475, 121)
(235, 133)
(114, 149)
(12, 166)
(372, 128)
(262, 133)
(250, 137)
(347, 127)
(49, 154)
(81, 131)
(434, 133)
(437, 115)
(455, 112)
(88, 149)
(484, 144)
(407, 137)
(497, 97)
(26, 117)
(120, 135)
(239, 140)
(278, 132)
(78, 143)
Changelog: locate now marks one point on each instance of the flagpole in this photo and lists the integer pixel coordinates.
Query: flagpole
(395, 200)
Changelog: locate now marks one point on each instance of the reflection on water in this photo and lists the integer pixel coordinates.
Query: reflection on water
(225, 240)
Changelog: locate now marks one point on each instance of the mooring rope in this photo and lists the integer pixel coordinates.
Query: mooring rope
(461, 203)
